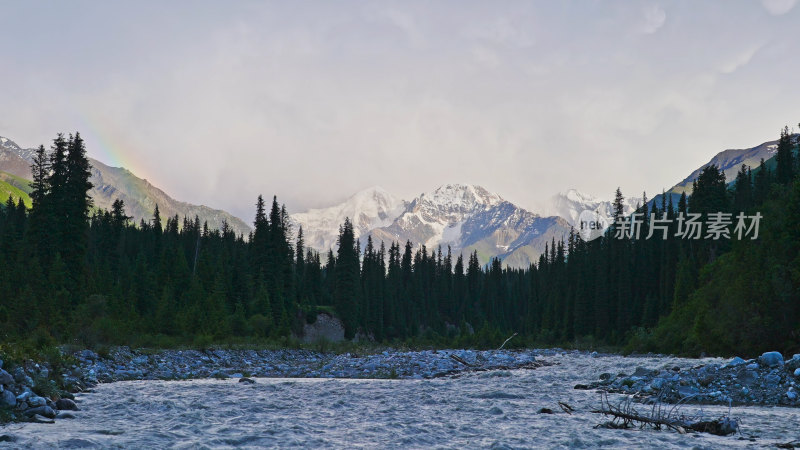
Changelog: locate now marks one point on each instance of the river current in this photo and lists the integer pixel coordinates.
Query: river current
(492, 409)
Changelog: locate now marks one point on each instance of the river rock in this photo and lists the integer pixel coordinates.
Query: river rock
(35, 401)
(24, 396)
(66, 404)
(44, 411)
(771, 359)
(41, 419)
(7, 399)
(6, 378)
(246, 380)
(797, 372)
(791, 395)
(737, 361)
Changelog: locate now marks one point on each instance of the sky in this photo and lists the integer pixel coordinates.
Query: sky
(217, 102)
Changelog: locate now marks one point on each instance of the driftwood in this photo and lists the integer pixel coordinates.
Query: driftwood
(506, 341)
(626, 416)
(566, 408)
(460, 360)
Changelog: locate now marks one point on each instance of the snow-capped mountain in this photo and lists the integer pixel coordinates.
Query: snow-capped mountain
(368, 209)
(111, 183)
(464, 217)
(571, 203)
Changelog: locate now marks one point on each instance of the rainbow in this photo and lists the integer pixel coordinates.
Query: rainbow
(104, 143)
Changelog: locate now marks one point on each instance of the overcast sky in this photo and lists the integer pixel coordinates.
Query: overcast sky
(217, 102)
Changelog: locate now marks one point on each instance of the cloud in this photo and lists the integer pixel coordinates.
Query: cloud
(503, 31)
(778, 7)
(654, 18)
(740, 60)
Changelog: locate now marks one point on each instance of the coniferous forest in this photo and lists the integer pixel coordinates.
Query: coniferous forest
(72, 274)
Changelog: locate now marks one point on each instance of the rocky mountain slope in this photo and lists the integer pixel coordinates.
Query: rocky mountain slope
(111, 183)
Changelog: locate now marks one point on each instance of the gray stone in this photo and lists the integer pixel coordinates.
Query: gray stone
(45, 411)
(19, 375)
(771, 359)
(66, 404)
(24, 396)
(737, 361)
(791, 395)
(35, 401)
(797, 372)
(772, 378)
(7, 399)
(6, 378)
(41, 419)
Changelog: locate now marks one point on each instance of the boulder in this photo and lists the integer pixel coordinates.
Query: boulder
(797, 372)
(771, 359)
(41, 419)
(44, 411)
(35, 401)
(6, 378)
(246, 380)
(66, 404)
(737, 361)
(7, 399)
(793, 363)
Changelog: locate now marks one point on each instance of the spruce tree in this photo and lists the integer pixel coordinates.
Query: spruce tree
(784, 160)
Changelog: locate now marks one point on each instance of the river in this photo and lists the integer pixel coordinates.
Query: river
(493, 409)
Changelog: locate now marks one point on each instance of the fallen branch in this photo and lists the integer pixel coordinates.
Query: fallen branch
(626, 416)
(460, 360)
(506, 341)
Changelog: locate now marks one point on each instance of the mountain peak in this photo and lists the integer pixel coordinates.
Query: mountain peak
(578, 196)
(461, 196)
(8, 143)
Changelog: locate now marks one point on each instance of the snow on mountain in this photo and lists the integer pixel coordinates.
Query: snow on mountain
(465, 217)
(368, 209)
(571, 203)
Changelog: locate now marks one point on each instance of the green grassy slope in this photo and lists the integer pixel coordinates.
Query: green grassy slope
(18, 182)
(8, 190)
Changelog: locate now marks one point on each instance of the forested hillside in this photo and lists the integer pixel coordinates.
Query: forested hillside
(101, 279)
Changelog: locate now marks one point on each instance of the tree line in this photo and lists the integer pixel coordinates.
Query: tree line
(68, 272)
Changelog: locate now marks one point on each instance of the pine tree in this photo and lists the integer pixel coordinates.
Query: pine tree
(347, 279)
(784, 159)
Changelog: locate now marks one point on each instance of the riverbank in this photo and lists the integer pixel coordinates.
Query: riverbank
(766, 380)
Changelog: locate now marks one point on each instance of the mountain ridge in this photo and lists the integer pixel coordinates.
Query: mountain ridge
(112, 183)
